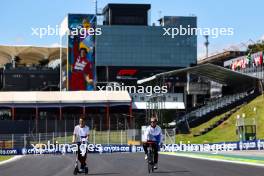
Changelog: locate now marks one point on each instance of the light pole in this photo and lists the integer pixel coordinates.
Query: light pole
(206, 44)
(256, 114)
(239, 129)
(95, 7)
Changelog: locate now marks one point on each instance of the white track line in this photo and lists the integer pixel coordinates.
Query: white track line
(214, 159)
(14, 158)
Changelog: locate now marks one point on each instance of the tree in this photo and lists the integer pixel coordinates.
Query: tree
(44, 62)
(17, 59)
(256, 47)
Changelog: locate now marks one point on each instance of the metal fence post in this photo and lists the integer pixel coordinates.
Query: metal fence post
(134, 135)
(174, 135)
(53, 138)
(108, 140)
(46, 130)
(12, 140)
(126, 136)
(94, 131)
(65, 129)
(121, 135)
(165, 136)
(25, 141)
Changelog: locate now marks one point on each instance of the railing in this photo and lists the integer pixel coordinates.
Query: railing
(51, 123)
(211, 106)
(257, 72)
(131, 136)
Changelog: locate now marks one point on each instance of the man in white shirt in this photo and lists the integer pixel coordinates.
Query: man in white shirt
(81, 135)
(153, 133)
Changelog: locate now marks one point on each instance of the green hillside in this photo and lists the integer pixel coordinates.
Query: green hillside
(3, 158)
(227, 130)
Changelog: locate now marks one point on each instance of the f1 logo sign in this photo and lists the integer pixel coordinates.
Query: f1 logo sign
(127, 72)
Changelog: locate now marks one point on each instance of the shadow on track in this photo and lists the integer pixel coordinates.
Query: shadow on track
(170, 172)
(105, 174)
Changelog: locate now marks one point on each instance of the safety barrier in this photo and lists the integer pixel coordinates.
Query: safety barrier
(98, 148)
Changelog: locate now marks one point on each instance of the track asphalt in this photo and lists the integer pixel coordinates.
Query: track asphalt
(125, 164)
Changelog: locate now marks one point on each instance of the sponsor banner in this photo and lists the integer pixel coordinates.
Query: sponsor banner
(216, 147)
(9, 152)
(99, 148)
(71, 148)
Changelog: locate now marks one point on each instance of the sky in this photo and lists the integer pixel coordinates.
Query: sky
(18, 17)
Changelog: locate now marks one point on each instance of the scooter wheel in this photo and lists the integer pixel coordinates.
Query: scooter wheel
(86, 170)
(75, 172)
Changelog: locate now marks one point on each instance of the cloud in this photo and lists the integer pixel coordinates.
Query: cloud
(55, 45)
(262, 37)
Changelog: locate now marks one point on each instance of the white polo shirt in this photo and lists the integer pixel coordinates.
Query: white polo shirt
(81, 132)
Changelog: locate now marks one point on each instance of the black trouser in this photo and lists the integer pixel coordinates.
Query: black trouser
(155, 148)
(82, 158)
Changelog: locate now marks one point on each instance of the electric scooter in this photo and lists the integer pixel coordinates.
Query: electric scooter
(78, 170)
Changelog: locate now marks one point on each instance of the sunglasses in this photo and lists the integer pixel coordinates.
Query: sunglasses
(153, 121)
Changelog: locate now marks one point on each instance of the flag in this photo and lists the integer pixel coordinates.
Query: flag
(249, 58)
(243, 63)
(257, 58)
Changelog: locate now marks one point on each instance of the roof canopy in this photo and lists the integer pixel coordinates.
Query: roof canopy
(220, 58)
(28, 54)
(64, 98)
(212, 72)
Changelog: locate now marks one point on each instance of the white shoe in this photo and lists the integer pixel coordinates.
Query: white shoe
(155, 166)
(146, 157)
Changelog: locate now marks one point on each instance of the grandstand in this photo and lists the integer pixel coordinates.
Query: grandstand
(237, 89)
(29, 55)
(220, 58)
(29, 68)
(213, 108)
